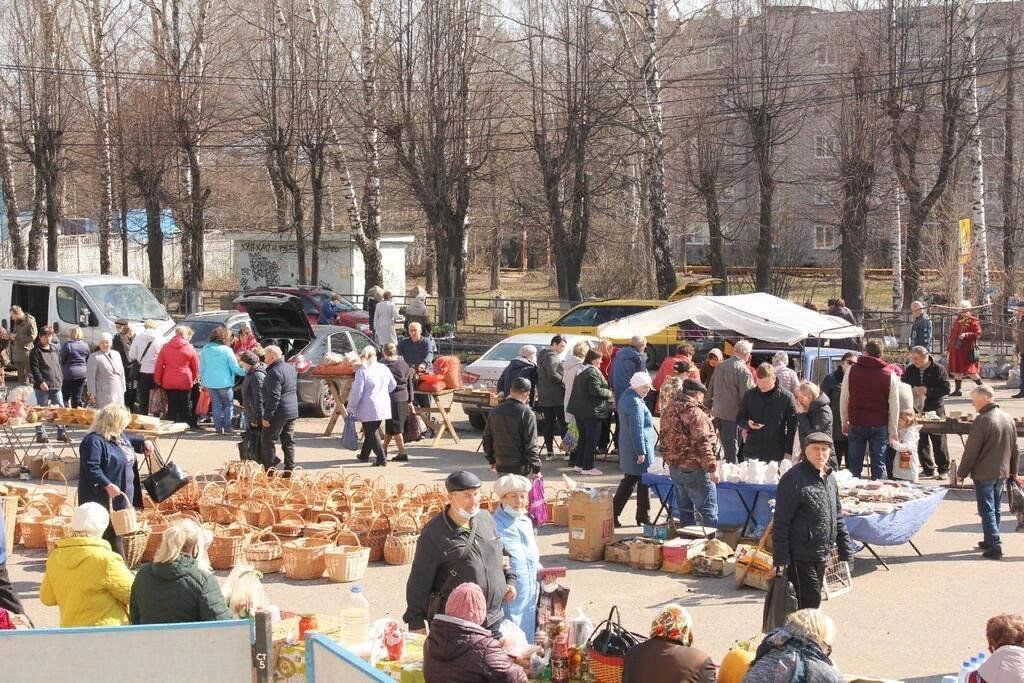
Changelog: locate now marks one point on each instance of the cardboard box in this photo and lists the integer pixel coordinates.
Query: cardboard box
(754, 567)
(591, 523)
(617, 552)
(677, 555)
(713, 566)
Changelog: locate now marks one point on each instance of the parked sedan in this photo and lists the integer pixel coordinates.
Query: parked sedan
(313, 299)
(279, 319)
(486, 369)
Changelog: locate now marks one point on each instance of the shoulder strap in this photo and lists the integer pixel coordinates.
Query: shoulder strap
(448, 585)
(146, 350)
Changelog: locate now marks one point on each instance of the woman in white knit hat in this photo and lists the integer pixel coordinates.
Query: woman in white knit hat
(86, 579)
(516, 532)
(636, 447)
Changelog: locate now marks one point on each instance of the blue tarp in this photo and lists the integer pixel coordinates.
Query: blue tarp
(894, 528)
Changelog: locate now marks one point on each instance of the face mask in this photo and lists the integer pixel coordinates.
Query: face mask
(468, 514)
(516, 514)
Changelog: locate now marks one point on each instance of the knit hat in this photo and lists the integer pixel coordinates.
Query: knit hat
(467, 602)
(639, 379)
(673, 623)
(511, 483)
(91, 519)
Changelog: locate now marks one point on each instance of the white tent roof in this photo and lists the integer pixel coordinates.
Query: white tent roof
(757, 316)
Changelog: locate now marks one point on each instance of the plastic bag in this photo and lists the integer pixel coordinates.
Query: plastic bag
(243, 591)
(513, 640)
(349, 438)
(204, 402)
(905, 465)
(572, 435)
(778, 604)
(538, 507)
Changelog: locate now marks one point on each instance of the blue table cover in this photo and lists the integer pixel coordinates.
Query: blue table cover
(894, 528)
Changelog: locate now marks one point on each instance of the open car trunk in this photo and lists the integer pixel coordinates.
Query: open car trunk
(279, 320)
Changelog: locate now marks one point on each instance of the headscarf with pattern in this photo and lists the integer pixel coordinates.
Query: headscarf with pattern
(673, 623)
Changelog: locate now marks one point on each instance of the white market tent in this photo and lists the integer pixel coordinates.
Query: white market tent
(756, 316)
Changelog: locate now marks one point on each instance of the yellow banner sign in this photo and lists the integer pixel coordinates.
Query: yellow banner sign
(965, 240)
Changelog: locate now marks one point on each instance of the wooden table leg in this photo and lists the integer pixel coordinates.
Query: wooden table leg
(339, 407)
(446, 422)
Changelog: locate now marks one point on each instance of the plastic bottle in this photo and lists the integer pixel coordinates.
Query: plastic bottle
(355, 618)
(965, 671)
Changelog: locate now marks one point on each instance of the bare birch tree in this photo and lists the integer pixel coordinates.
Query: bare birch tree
(10, 197)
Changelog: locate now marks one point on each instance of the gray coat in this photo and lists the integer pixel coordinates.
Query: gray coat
(991, 449)
(550, 384)
(104, 377)
(728, 385)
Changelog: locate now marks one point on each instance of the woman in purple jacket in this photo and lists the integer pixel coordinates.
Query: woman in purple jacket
(74, 354)
(369, 401)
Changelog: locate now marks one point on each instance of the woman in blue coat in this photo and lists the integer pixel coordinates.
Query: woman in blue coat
(636, 447)
(109, 467)
(516, 532)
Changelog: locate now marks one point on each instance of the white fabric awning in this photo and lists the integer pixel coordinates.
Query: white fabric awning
(755, 316)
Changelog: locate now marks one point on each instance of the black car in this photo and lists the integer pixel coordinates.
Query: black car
(279, 320)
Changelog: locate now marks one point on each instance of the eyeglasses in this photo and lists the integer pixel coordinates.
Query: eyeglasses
(827, 649)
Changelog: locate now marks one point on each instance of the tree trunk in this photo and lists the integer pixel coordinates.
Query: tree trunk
(911, 273)
(976, 160)
(1009, 193)
(896, 254)
(316, 191)
(97, 45)
(51, 187)
(154, 241)
(198, 197)
(35, 231)
(495, 260)
(716, 247)
(123, 196)
(10, 198)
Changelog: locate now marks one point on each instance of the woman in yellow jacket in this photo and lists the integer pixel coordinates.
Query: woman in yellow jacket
(84, 577)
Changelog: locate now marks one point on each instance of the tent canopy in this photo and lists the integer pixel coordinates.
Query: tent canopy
(757, 316)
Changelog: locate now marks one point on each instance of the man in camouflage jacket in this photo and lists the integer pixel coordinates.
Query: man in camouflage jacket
(689, 447)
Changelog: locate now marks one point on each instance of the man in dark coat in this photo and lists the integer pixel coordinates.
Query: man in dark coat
(525, 365)
(807, 523)
(510, 437)
(280, 410)
(930, 383)
(458, 546)
(47, 379)
(551, 391)
(252, 402)
(767, 413)
(832, 386)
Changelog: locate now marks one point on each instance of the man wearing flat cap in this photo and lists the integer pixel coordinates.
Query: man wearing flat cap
(807, 523)
(458, 546)
(510, 437)
(689, 446)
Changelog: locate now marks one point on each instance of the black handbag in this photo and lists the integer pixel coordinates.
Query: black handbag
(166, 481)
(611, 639)
(135, 366)
(778, 604)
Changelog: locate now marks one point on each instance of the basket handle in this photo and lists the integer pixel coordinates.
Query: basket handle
(331, 517)
(263, 533)
(296, 515)
(345, 531)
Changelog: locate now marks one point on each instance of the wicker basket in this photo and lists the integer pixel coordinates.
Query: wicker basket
(605, 668)
(304, 558)
(290, 525)
(31, 523)
(337, 502)
(55, 529)
(226, 547)
(257, 513)
(345, 562)
(560, 508)
(157, 523)
(51, 495)
(10, 504)
(325, 524)
(264, 552)
(211, 497)
(372, 532)
(135, 545)
(124, 521)
(400, 544)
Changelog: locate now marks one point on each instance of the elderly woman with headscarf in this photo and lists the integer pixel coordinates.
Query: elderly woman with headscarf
(669, 655)
(459, 649)
(517, 536)
(707, 368)
(88, 582)
(108, 469)
(964, 336)
(636, 447)
(524, 365)
(104, 374)
(178, 585)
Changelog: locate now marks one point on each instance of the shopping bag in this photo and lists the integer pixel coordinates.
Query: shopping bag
(608, 645)
(905, 465)
(157, 402)
(412, 432)
(349, 438)
(571, 436)
(166, 481)
(778, 604)
(538, 507)
(203, 404)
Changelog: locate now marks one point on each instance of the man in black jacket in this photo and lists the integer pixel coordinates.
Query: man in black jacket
(458, 546)
(280, 410)
(510, 437)
(47, 379)
(807, 523)
(767, 413)
(525, 365)
(931, 383)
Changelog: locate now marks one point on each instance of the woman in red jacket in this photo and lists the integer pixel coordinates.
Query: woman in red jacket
(176, 371)
(964, 335)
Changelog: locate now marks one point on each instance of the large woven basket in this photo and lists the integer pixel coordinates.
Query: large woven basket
(56, 528)
(304, 558)
(326, 524)
(31, 523)
(258, 513)
(346, 562)
(289, 525)
(124, 521)
(605, 668)
(226, 547)
(135, 545)
(400, 544)
(264, 552)
(372, 532)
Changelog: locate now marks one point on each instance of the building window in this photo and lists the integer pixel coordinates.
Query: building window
(825, 146)
(993, 141)
(825, 237)
(825, 55)
(698, 234)
(713, 57)
(821, 198)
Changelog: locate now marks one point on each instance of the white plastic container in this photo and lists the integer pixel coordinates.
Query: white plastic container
(355, 618)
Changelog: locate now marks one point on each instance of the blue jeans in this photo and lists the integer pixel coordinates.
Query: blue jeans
(220, 406)
(51, 397)
(695, 492)
(862, 438)
(990, 499)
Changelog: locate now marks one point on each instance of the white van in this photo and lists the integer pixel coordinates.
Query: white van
(92, 302)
